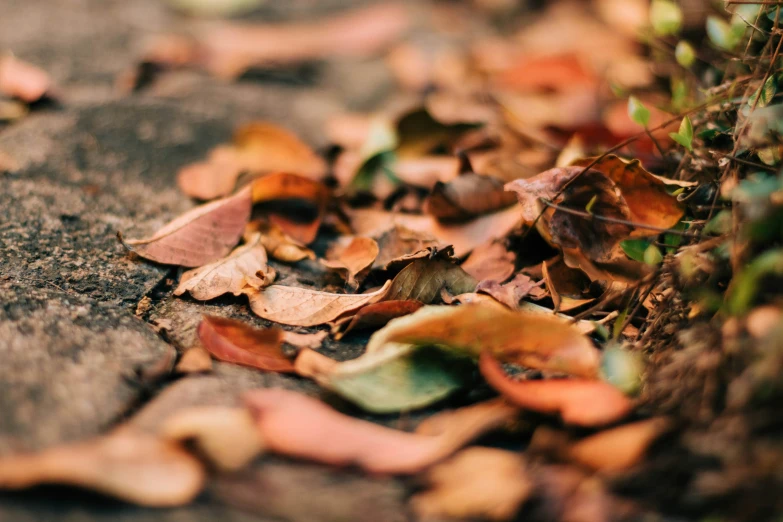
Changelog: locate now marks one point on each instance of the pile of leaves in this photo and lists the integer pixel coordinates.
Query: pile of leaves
(582, 218)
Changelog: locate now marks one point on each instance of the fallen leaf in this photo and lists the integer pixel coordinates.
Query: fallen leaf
(577, 401)
(11, 110)
(305, 340)
(495, 413)
(277, 243)
(491, 261)
(258, 148)
(426, 171)
(424, 279)
(569, 288)
(352, 258)
(283, 187)
(194, 360)
(523, 338)
(226, 436)
(400, 377)
(244, 268)
(467, 196)
(22, 80)
(302, 427)
(511, 293)
(313, 365)
(374, 315)
(239, 343)
(399, 244)
(477, 482)
(305, 307)
(464, 237)
(125, 464)
(547, 73)
(197, 237)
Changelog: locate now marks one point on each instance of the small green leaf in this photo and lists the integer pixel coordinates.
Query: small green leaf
(666, 17)
(638, 112)
(679, 93)
(764, 94)
(589, 206)
(718, 225)
(622, 368)
(723, 35)
(684, 54)
(685, 134)
(634, 248)
(652, 255)
(745, 286)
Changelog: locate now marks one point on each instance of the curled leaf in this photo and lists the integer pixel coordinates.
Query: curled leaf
(511, 293)
(226, 436)
(374, 315)
(577, 401)
(523, 338)
(277, 243)
(467, 196)
(400, 244)
(197, 237)
(352, 258)
(423, 279)
(304, 307)
(244, 268)
(238, 342)
(126, 464)
(303, 427)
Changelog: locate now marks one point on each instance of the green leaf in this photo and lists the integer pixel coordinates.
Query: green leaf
(401, 377)
(685, 134)
(652, 255)
(745, 286)
(622, 369)
(679, 93)
(719, 225)
(764, 94)
(666, 17)
(634, 248)
(590, 204)
(638, 112)
(684, 54)
(723, 35)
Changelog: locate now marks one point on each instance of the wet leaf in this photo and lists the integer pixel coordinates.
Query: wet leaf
(197, 237)
(374, 315)
(305, 307)
(467, 196)
(527, 339)
(22, 80)
(244, 268)
(258, 148)
(226, 436)
(577, 401)
(423, 279)
(351, 257)
(126, 464)
(511, 293)
(477, 482)
(302, 427)
(490, 261)
(237, 342)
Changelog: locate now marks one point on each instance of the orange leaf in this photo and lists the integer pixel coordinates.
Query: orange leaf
(237, 342)
(351, 258)
(375, 315)
(490, 261)
(22, 80)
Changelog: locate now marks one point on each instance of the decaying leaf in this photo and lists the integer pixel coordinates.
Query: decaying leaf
(126, 464)
(226, 436)
(511, 293)
(568, 287)
(423, 279)
(467, 196)
(283, 187)
(258, 148)
(22, 80)
(239, 343)
(277, 243)
(351, 257)
(490, 261)
(244, 268)
(400, 244)
(303, 427)
(194, 360)
(374, 315)
(197, 237)
(304, 307)
(400, 377)
(477, 482)
(580, 402)
(464, 237)
(531, 340)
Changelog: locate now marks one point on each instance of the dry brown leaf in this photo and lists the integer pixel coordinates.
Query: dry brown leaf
(300, 426)
(568, 287)
(374, 315)
(239, 343)
(313, 365)
(464, 237)
(194, 360)
(312, 341)
(491, 261)
(305, 307)
(22, 80)
(351, 257)
(578, 401)
(126, 464)
(467, 196)
(511, 293)
(224, 435)
(277, 244)
(427, 171)
(527, 339)
(424, 279)
(550, 72)
(399, 244)
(244, 268)
(197, 237)
(477, 482)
